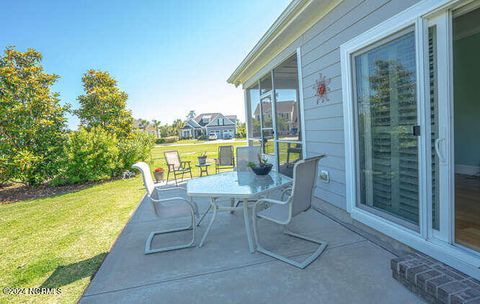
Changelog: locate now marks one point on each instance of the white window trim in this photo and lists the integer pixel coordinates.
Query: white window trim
(443, 251)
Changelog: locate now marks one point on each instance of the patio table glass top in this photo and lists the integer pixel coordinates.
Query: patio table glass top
(237, 184)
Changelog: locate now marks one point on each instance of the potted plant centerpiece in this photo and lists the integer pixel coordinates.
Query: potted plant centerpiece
(263, 167)
(158, 174)
(202, 158)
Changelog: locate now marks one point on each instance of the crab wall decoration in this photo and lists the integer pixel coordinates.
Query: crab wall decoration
(321, 88)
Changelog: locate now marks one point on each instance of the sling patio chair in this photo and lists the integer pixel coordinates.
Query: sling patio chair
(225, 159)
(176, 166)
(246, 155)
(161, 206)
(282, 212)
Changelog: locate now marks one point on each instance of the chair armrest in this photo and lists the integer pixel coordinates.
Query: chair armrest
(271, 201)
(192, 204)
(171, 189)
(266, 200)
(185, 162)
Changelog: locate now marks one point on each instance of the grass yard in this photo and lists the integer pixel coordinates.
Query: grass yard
(60, 241)
(191, 152)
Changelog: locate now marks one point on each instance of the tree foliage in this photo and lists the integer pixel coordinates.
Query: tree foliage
(32, 121)
(96, 154)
(157, 124)
(90, 155)
(104, 105)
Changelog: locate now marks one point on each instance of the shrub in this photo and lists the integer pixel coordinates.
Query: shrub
(136, 147)
(160, 141)
(90, 155)
(171, 139)
(202, 137)
(96, 154)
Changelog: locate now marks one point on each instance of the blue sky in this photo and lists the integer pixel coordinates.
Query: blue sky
(170, 56)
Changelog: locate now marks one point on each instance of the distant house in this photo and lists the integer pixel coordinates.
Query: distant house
(287, 116)
(207, 123)
(146, 127)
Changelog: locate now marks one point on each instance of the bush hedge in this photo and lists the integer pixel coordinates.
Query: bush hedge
(95, 154)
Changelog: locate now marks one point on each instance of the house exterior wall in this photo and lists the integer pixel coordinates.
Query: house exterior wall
(320, 53)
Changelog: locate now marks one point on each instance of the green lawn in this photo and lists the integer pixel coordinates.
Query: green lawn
(191, 152)
(60, 241)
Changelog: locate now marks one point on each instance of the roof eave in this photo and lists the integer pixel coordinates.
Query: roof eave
(277, 26)
(295, 9)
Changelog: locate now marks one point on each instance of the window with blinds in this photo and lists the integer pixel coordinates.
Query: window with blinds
(387, 149)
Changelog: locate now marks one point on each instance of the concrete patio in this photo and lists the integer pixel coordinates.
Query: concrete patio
(352, 269)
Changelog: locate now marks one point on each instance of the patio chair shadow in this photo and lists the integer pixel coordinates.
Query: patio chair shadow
(67, 274)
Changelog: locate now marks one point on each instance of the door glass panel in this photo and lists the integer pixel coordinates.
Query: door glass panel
(253, 95)
(466, 66)
(433, 76)
(385, 92)
(288, 155)
(285, 78)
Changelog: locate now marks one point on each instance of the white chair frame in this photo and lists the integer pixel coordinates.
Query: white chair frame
(156, 203)
(290, 202)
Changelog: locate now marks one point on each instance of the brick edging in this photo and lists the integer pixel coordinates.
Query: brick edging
(435, 281)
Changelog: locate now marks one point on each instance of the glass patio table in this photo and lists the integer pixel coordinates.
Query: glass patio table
(236, 185)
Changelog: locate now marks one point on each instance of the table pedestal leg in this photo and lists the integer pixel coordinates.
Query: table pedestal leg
(213, 204)
(246, 218)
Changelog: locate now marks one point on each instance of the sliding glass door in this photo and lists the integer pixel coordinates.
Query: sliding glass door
(466, 126)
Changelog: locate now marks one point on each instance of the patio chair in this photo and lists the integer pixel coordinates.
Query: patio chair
(160, 206)
(176, 166)
(282, 212)
(246, 155)
(225, 158)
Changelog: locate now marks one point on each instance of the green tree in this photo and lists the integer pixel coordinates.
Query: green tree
(157, 124)
(143, 124)
(241, 130)
(32, 121)
(176, 126)
(164, 130)
(104, 105)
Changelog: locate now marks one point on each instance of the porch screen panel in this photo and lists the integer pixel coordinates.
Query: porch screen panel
(385, 89)
(285, 78)
(253, 95)
(287, 115)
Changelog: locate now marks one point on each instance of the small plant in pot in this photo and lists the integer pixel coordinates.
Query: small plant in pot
(202, 158)
(158, 173)
(263, 167)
